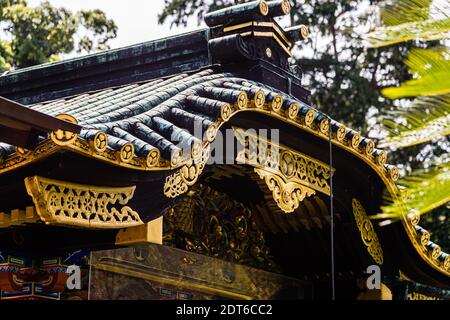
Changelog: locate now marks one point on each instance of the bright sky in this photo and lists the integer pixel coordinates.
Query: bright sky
(137, 19)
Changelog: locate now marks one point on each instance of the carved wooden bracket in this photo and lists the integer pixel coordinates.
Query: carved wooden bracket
(70, 204)
(289, 174)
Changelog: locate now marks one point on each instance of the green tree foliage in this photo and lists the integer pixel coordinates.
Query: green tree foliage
(345, 77)
(427, 118)
(37, 35)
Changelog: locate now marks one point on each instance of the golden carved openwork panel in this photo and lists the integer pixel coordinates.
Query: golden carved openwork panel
(287, 194)
(290, 175)
(180, 181)
(69, 204)
(368, 234)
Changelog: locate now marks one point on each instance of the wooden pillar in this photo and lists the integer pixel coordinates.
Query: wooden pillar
(150, 232)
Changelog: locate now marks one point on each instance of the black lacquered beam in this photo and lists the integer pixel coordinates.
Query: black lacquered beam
(27, 124)
(297, 33)
(238, 13)
(279, 8)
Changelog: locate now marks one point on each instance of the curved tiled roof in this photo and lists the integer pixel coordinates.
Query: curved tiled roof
(159, 114)
(148, 125)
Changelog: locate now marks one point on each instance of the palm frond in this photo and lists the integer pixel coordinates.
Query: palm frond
(406, 20)
(425, 191)
(426, 119)
(424, 30)
(432, 69)
(396, 12)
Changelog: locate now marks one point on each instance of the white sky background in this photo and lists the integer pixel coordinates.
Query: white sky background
(137, 20)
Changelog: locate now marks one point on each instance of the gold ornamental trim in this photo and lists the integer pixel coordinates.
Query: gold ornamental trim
(96, 148)
(276, 28)
(287, 194)
(19, 217)
(348, 141)
(263, 8)
(22, 156)
(368, 234)
(69, 204)
(286, 7)
(268, 34)
(61, 137)
(304, 31)
(343, 138)
(180, 181)
(272, 25)
(278, 159)
(420, 296)
(290, 175)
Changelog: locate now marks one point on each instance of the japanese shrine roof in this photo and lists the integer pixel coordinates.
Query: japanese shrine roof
(142, 125)
(159, 115)
(137, 108)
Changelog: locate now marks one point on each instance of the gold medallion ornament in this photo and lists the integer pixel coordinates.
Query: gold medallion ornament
(152, 159)
(424, 238)
(340, 134)
(61, 137)
(242, 101)
(225, 112)
(324, 126)
(370, 147)
(292, 111)
(367, 146)
(69, 204)
(446, 262)
(286, 7)
(368, 234)
(435, 252)
(356, 138)
(100, 142)
(196, 150)
(393, 173)
(177, 157)
(259, 100)
(263, 8)
(414, 217)
(126, 153)
(304, 31)
(210, 133)
(277, 103)
(381, 158)
(309, 118)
